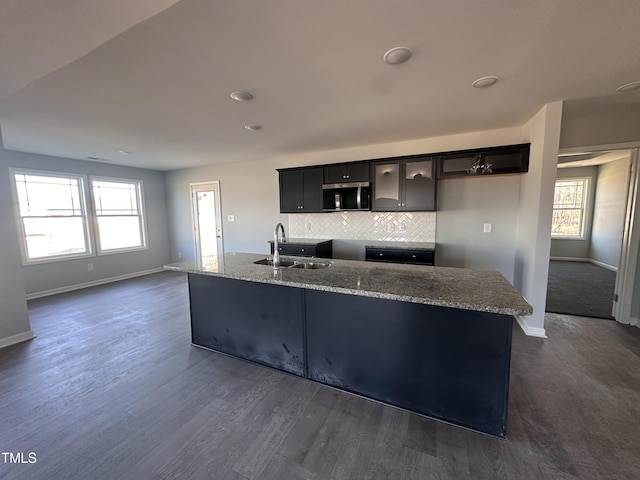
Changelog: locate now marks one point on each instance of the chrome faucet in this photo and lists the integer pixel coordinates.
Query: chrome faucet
(276, 250)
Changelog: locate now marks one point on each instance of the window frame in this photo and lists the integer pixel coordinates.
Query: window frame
(142, 215)
(583, 208)
(86, 224)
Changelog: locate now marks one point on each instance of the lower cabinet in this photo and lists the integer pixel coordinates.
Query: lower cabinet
(446, 363)
(416, 256)
(319, 250)
(260, 322)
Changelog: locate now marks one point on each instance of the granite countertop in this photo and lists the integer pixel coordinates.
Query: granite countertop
(401, 245)
(304, 241)
(461, 288)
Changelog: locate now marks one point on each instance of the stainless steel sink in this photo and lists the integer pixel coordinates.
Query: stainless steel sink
(282, 264)
(312, 265)
(306, 265)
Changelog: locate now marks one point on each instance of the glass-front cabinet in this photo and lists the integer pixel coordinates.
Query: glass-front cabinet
(407, 184)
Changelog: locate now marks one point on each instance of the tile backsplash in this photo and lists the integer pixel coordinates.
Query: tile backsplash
(382, 226)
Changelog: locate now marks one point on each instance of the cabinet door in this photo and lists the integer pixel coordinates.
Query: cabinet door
(290, 198)
(419, 186)
(358, 172)
(311, 191)
(335, 174)
(386, 187)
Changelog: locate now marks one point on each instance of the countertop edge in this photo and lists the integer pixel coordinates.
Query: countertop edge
(363, 293)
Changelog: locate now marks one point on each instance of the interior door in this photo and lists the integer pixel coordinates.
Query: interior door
(207, 224)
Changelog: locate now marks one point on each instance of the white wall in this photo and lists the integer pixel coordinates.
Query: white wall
(464, 206)
(579, 248)
(609, 212)
(592, 123)
(61, 275)
(14, 320)
(533, 237)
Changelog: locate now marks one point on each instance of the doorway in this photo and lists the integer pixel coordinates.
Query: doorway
(207, 224)
(584, 270)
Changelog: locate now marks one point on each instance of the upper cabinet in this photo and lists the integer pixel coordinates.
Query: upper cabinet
(347, 173)
(404, 185)
(301, 190)
(488, 161)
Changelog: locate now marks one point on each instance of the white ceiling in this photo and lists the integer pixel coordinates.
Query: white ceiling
(88, 78)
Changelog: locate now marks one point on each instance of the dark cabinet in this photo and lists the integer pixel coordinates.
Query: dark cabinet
(490, 161)
(407, 184)
(347, 173)
(417, 256)
(301, 249)
(301, 190)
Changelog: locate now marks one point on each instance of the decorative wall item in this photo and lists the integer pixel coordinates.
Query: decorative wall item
(381, 226)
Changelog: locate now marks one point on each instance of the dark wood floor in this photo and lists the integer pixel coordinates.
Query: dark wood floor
(112, 389)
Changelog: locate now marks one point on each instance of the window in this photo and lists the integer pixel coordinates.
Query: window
(118, 214)
(52, 215)
(569, 208)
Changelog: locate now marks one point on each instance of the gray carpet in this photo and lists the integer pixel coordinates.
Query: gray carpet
(580, 288)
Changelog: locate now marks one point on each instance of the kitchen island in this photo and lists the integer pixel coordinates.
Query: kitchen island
(432, 340)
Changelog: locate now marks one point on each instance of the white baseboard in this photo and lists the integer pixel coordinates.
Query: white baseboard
(604, 265)
(79, 286)
(13, 339)
(528, 330)
(569, 259)
(587, 260)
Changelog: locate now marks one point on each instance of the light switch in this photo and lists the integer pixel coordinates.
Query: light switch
(231, 218)
(487, 228)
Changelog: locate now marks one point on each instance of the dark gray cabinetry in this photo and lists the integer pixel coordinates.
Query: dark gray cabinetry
(347, 173)
(490, 161)
(255, 321)
(301, 190)
(404, 185)
(442, 362)
(417, 256)
(299, 249)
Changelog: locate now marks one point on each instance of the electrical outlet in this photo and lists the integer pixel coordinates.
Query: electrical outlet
(179, 255)
(90, 267)
(307, 227)
(487, 228)
(231, 218)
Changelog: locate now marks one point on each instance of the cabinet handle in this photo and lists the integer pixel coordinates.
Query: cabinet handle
(303, 249)
(399, 204)
(413, 256)
(381, 254)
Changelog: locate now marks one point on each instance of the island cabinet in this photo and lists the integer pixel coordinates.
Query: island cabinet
(347, 173)
(404, 185)
(301, 190)
(435, 341)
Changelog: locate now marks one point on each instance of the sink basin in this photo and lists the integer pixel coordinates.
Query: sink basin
(283, 263)
(311, 265)
(306, 265)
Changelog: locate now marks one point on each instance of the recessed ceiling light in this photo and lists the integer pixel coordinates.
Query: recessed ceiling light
(397, 55)
(242, 96)
(485, 81)
(253, 128)
(98, 159)
(628, 87)
(124, 152)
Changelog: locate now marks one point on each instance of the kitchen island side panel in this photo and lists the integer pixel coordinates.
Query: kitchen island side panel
(254, 321)
(442, 362)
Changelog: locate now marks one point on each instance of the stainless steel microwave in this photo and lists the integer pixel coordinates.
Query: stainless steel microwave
(346, 196)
